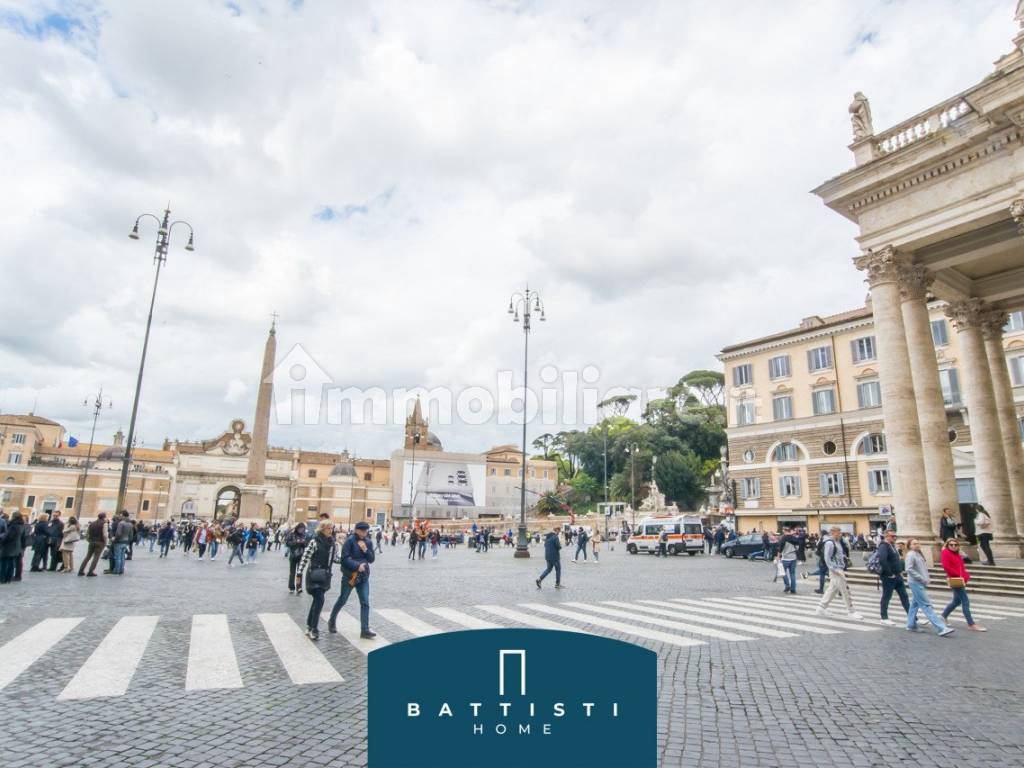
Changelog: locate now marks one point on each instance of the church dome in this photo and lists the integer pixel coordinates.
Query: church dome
(434, 440)
(343, 469)
(113, 453)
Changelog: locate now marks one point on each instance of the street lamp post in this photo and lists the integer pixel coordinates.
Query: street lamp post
(632, 449)
(96, 408)
(525, 303)
(163, 236)
(412, 472)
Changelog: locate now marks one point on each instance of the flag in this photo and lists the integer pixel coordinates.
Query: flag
(72, 442)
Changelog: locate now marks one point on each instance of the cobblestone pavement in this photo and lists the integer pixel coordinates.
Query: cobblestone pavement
(747, 677)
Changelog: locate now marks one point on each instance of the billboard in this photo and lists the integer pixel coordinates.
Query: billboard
(443, 484)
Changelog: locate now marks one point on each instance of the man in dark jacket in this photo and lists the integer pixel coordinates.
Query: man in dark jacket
(298, 538)
(11, 547)
(891, 574)
(40, 544)
(96, 535)
(356, 556)
(54, 535)
(552, 556)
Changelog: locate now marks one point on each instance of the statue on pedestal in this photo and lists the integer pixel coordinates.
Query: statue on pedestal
(860, 117)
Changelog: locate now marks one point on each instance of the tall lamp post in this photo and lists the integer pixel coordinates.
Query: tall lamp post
(96, 408)
(163, 236)
(416, 434)
(632, 449)
(524, 304)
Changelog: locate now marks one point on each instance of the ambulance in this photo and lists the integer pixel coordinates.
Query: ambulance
(685, 534)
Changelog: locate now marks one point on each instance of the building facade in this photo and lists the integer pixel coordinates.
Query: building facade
(806, 428)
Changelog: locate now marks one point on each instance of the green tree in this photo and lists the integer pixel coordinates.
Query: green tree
(583, 490)
(544, 443)
(551, 504)
(680, 476)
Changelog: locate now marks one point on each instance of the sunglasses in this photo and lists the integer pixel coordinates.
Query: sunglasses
(954, 545)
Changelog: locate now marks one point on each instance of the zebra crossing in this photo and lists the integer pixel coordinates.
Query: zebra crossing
(212, 661)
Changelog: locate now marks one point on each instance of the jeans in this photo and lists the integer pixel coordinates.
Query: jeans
(7, 568)
(580, 548)
(236, 552)
(557, 566)
(164, 548)
(119, 550)
(214, 546)
(919, 600)
(202, 549)
(422, 549)
(313, 618)
(892, 584)
(959, 599)
(362, 589)
(152, 541)
(789, 575)
(433, 549)
(252, 555)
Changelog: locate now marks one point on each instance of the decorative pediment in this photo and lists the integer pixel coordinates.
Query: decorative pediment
(824, 381)
(782, 389)
(867, 373)
(234, 442)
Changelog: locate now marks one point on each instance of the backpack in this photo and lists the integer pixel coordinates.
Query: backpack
(874, 563)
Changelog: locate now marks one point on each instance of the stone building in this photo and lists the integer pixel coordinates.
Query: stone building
(806, 429)
(939, 203)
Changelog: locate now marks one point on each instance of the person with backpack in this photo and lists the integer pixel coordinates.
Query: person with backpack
(296, 541)
(835, 559)
(237, 540)
(887, 564)
(790, 550)
(917, 575)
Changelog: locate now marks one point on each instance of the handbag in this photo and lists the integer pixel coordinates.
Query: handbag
(956, 582)
(320, 578)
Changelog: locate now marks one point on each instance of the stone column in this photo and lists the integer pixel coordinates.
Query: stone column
(991, 477)
(902, 436)
(992, 331)
(255, 490)
(931, 410)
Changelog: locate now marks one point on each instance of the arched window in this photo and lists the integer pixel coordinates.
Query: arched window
(872, 444)
(786, 452)
(228, 500)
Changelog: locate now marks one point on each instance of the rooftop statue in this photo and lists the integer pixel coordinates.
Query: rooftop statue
(860, 117)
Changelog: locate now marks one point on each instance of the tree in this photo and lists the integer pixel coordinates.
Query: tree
(680, 477)
(544, 443)
(707, 386)
(550, 504)
(583, 489)
(617, 405)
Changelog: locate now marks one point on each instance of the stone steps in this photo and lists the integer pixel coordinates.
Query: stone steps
(997, 581)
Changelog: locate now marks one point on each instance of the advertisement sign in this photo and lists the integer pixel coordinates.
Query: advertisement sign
(443, 484)
(511, 702)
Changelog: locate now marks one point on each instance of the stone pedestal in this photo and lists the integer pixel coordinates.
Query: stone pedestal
(252, 504)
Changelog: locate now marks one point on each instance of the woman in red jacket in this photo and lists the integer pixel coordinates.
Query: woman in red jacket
(957, 576)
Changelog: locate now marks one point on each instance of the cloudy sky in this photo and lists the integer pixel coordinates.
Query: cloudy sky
(384, 175)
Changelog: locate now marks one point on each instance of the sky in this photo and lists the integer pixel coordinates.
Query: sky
(384, 176)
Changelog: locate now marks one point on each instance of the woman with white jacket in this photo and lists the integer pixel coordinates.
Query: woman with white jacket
(917, 579)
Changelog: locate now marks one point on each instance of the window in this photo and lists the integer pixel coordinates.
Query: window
(311, 473)
(742, 375)
(494, 471)
(6, 497)
(30, 501)
(828, 447)
(940, 333)
(778, 367)
(14, 458)
(873, 444)
(1016, 371)
(878, 481)
(145, 505)
(819, 359)
(832, 484)
(869, 394)
(786, 452)
(750, 488)
(369, 513)
(533, 473)
(18, 438)
(863, 349)
(745, 413)
(782, 407)
(367, 476)
(545, 474)
(1020, 424)
(1015, 323)
(965, 491)
(824, 401)
(789, 485)
(519, 472)
(949, 381)
(508, 472)
(69, 502)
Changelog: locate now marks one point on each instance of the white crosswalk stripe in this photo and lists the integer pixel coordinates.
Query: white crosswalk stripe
(301, 659)
(773, 621)
(759, 609)
(111, 667)
(678, 612)
(31, 645)
(870, 606)
(943, 597)
(410, 624)
(211, 655)
(526, 619)
(630, 615)
(349, 628)
(626, 629)
(463, 619)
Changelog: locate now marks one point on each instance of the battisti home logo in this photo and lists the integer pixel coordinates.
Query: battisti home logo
(512, 697)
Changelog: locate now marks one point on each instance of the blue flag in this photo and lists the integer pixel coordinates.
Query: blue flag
(72, 442)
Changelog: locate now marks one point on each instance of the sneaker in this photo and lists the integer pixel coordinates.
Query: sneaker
(291, 591)
(368, 635)
(332, 628)
(854, 615)
(819, 611)
(947, 632)
(559, 586)
(819, 591)
(538, 583)
(912, 628)
(976, 628)
(314, 634)
(888, 622)
(88, 576)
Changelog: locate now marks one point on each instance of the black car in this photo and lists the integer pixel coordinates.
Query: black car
(746, 545)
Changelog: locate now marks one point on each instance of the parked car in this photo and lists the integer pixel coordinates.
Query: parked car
(746, 545)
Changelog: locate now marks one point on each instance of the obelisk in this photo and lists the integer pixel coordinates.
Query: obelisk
(254, 491)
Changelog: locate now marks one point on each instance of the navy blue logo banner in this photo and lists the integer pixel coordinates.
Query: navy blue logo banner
(512, 697)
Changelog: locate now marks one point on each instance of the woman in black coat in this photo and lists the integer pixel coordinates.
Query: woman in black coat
(12, 548)
(316, 563)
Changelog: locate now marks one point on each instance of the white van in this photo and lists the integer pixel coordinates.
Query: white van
(685, 534)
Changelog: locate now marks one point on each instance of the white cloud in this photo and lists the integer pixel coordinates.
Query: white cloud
(646, 165)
